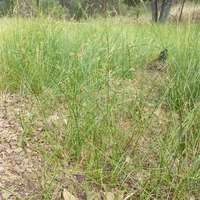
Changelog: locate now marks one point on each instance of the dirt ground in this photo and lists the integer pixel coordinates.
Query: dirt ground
(16, 164)
(22, 169)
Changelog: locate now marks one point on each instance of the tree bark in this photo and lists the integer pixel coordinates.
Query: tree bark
(90, 7)
(73, 9)
(154, 8)
(164, 14)
(37, 2)
(104, 6)
(61, 2)
(138, 9)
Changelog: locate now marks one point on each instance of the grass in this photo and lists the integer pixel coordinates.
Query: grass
(97, 115)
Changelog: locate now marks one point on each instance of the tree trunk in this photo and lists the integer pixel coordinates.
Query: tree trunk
(90, 7)
(64, 3)
(154, 8)
(61, 2)
(104, 6)
(166, 6)
(37, 2)
(73, 11)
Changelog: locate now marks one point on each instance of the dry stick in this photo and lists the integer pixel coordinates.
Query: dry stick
(129, 195)
(177, 12)
(181, 10)
(173, 17)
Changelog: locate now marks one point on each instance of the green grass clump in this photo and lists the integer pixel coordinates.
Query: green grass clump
(104, 115)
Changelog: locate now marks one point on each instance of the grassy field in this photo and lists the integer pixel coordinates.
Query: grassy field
(98, 119)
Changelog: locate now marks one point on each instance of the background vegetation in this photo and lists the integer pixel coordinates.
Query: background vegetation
(78, 9)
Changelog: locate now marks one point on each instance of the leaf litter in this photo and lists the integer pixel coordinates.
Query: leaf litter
(22, 166)
(24, 172)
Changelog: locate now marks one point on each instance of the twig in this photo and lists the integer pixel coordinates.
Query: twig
(130, 195)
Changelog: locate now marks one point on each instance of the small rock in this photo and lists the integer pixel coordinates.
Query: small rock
(2, 171)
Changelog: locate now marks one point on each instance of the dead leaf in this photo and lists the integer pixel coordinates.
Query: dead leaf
(2, 171)
(18, 150)
(67, 195)
(120, 197)
(66, 121)
(191, 198)
(4, 134)
(109, 196)
(53, 118)
(96, 197)
(85, 195)
(128, 159)
(9, 150)
(6, 195)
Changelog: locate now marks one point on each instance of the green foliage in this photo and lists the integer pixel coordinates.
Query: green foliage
(6, 7)
(131, 2)
(51, 7)
(45, 7)
(77, 9)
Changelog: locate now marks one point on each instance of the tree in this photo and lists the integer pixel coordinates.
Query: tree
(37, 2)
(6, 7)
(154, 9)
(165, 8)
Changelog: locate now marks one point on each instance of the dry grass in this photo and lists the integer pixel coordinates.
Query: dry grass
(191, 11)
